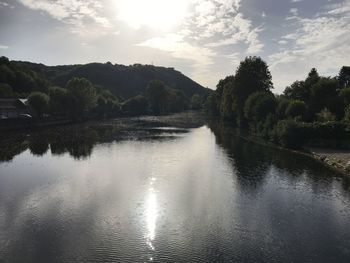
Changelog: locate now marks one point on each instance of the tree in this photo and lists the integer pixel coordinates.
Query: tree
(325, 116)
(59, 101)
(344, 77)
(227, 105)
(196, 102)
(5, 91)
(297, 91)
(345, 95)
(323, 94)
(296, 108)
(175, 101)
(82, 95)
(252, 75)
(156, 94)
(39, 102)
(282, 104)
(259, 105)
(136, 105)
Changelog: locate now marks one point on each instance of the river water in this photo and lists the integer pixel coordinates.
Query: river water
(160, 191)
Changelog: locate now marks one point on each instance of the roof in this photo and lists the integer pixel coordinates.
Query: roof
(12, 104)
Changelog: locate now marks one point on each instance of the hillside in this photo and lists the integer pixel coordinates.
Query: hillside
(122, 81)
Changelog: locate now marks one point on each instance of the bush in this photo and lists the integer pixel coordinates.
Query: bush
(325, 116)
(291, 133)
(296, 108)
(136, 105)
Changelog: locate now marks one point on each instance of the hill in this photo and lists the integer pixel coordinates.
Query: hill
(123, 81)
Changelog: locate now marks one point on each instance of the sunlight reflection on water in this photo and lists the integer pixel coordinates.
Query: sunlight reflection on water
(151, 215)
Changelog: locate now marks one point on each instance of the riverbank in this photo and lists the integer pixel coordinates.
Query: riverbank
(335, 159)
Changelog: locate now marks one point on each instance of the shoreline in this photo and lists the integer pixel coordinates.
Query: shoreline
(326, 159)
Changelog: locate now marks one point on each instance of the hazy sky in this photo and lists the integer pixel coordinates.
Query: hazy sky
(205, 39)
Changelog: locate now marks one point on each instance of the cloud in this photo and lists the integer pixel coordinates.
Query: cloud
(177, 47)
(210, 27)
(321, 41)
(4, 47)
(222, 19)
(73, 12)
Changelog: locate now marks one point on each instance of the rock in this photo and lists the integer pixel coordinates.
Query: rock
(347, 167)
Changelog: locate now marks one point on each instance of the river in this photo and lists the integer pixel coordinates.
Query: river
(154, 190)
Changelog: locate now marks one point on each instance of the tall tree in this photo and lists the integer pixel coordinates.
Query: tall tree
(252, 75)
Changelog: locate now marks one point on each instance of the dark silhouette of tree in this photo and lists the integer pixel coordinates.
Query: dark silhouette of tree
(252, 75)
(297, 91)
(136, 105)
(5, 91)
(344, 77)
(296, 108)
(82, 95)
(59, 101)
(259, 105)
(39, 102)
(156, 95)
(196, 102)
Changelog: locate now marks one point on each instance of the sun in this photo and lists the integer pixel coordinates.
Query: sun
(157, 14)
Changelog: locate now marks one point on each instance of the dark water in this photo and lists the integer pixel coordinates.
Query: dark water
(158, 191)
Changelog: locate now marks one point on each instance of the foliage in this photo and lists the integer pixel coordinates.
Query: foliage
(20, 78)
(307, 111)
(259, 105)
(82, 95)
(325, 116)
(297, 91)
(344, 77)
(39, 102)
(175, 101)
(156, 95)
(290, 133)
(196, 102)
(59, 101)
(122, 81)
(347, 115)
(251, 76)
(345, 95)
(5, 91)
(296, 108)
(136, 105)
(282, 104)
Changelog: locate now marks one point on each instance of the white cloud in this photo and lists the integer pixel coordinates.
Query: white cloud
(73, 12)
(4, 47)
(294, 11)
(321, 41)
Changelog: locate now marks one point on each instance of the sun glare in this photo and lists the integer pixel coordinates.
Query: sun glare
(157, 14)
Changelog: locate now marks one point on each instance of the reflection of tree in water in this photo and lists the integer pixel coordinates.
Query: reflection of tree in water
(12, 147)
(252, 161)
(249, 160)
(38, 145)
(79, 143)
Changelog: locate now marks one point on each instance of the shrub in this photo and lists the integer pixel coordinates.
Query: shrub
(296, 108)
(291, 133)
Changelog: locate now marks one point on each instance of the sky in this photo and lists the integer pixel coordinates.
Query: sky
(204, 39)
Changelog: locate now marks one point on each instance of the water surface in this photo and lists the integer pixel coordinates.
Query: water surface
(165, 192)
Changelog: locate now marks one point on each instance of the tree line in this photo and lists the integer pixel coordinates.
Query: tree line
(315, 110)
(79, 97)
